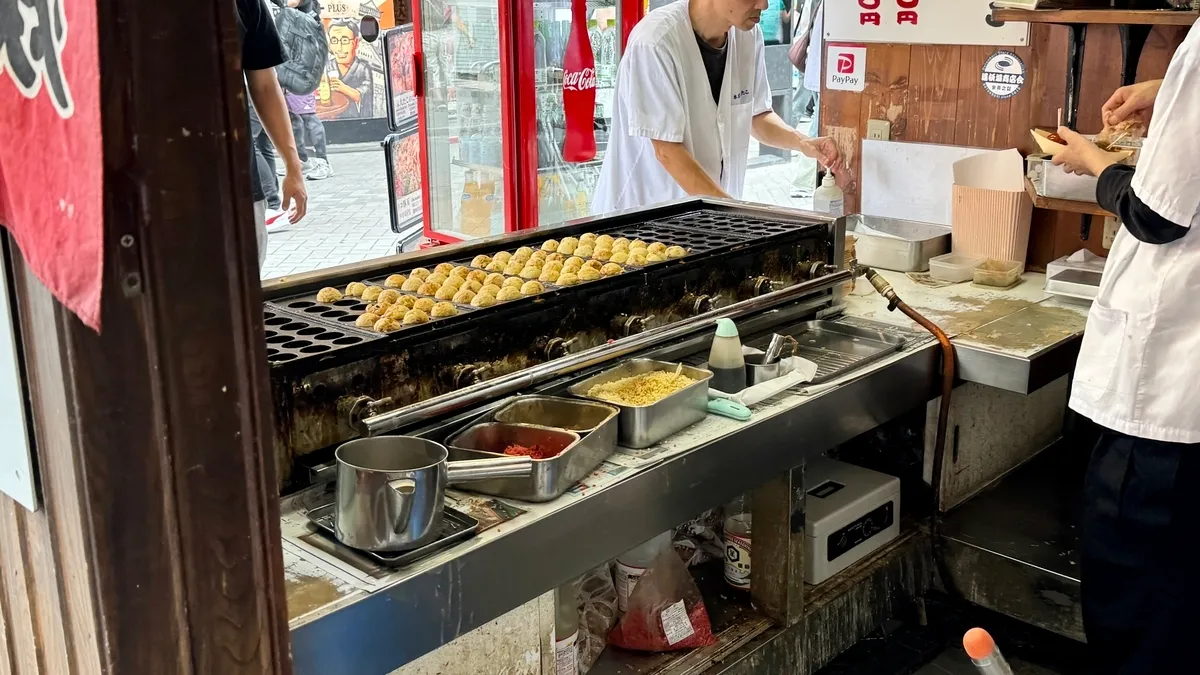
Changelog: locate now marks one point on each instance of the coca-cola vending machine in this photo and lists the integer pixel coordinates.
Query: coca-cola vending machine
(514, 104)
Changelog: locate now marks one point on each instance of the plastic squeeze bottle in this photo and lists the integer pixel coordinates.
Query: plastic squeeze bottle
(829, 198)
(632, 564)
(984, 653)
(726, 362)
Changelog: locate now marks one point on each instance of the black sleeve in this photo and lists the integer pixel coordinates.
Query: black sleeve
(261, 46)
(1114, 192)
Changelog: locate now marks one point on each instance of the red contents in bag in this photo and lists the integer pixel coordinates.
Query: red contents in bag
(665, 611)
(534, 451)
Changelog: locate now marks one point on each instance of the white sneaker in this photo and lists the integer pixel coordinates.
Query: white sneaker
(276, 220)
(320, 171)
(308, 165)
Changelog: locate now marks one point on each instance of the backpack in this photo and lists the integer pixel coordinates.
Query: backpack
(307, 46)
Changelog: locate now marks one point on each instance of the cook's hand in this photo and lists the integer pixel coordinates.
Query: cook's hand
(825, 151)
(337, 85)
(1081, 156)
(1133, 102)
(294, 196)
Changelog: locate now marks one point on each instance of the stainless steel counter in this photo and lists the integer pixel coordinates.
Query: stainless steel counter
(343, 624)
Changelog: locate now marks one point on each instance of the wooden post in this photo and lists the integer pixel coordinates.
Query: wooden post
(777, 549)
(157, 549)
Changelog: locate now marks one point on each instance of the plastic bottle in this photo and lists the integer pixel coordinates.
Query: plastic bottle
(829, 198)
(737, 543)
(632, 564)
(984, 653)
(725, 360)
(566, 628)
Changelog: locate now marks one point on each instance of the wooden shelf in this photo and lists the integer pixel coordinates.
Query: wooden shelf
(1068, 205)
(1120, 17)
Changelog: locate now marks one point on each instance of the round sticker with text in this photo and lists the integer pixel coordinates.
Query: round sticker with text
(1003, 74)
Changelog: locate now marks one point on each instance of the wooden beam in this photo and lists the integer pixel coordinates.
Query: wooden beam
(1126, 17)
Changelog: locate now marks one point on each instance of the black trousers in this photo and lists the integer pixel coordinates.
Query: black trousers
(1141, 574)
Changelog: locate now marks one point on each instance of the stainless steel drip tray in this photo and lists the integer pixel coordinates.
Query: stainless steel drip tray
(837, 348)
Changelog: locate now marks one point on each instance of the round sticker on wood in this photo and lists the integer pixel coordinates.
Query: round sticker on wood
(1003, 74)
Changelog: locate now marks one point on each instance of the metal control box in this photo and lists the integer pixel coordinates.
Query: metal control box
(851, 511)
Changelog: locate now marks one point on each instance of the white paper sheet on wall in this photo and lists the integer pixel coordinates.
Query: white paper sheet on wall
(910, 181)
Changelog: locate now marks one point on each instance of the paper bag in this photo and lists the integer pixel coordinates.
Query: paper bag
(991, 210)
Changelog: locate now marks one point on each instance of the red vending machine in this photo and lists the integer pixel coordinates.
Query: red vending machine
(505, 93)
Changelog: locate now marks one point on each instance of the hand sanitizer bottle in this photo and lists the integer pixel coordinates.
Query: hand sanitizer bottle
(828, 198)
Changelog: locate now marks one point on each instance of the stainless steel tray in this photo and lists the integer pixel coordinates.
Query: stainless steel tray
(643, 426)
(582, 417)
(1074, 283)
(551, 477)
(837, 348)
(456, 526)
(894, 244)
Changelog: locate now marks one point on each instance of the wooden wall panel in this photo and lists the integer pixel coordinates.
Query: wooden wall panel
(933, 94)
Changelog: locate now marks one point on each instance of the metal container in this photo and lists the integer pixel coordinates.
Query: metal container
(758, 372)
(391, 489)
(643, 426)
(582, 417)
(894, 244)
(550, 477)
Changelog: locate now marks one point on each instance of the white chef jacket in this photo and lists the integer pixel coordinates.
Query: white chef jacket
(663, 93)
(1139, 366)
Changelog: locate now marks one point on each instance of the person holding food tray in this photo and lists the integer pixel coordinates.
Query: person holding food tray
(1137, 377)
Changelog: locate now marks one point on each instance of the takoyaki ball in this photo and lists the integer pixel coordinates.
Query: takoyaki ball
(461, 272)
(376, 309)
(483, 300)
(620, 244)
(525, 251)
(446, 292)
(496, 280)
(602, 254)
(480, 261)
(513, 268)
(539, 256)
(555, 257)
(552, 265)
(471, 285)
(503, 257)
(495, 266)
(550, 245)
(355, 289)
(620, 257)
(414, 282)
(567, 279)
(532, 288)
(395, 280)
(508, 293)
(464, 297)
(405, 301)
(531, 272)
(636, 244)
(569, 240)
(604, 240)
(656, 247)
(478, 275)
(489, 289)
(419, 273)
(436, 278)
(389, 296)
(593, 264)
(572, 264)
(584, 251)
(416, 317)
(611, 270)
(548, 276)
(637, 257)
(328, 295)
(519, 259)
(589, 274)
(366, 320)
(454, 282)
(587, 238)
(443, 310)
(444, 269)
(371, 293)
(386, 325)
(424, 304)
(512, 282)
(567, 247)
(396, 311)
(653, 257)
(676, 252)
(429, 289)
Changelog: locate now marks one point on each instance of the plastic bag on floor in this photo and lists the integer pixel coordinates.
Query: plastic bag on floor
(699, 540)
(597, 614)
(665, 611)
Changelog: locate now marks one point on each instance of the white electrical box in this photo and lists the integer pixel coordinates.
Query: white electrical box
(850, 512)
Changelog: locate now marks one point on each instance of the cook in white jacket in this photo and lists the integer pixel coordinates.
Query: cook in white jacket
(691, 90)
(1138, 377)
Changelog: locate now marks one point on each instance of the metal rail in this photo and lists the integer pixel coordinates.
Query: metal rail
(507, 384)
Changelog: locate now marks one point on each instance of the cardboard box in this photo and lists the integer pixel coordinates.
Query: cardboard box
(991, 210)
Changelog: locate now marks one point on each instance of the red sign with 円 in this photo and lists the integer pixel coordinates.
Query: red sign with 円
(579, 89)
(51, 156)
(871, 12)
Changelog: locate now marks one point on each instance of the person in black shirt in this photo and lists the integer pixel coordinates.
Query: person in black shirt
(262, 51)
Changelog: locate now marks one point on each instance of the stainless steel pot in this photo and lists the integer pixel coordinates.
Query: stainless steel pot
(391, 489)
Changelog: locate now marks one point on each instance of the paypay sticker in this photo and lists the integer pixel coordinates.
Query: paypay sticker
(846, 67)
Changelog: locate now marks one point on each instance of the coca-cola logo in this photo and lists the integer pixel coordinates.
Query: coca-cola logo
(580, 80)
